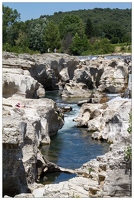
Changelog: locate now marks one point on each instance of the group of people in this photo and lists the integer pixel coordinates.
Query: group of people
(55, 50)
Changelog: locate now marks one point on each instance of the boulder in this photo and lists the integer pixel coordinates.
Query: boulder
(107, 121)
(16, 79)
(14, 84)
(73, 89)
(115, 77)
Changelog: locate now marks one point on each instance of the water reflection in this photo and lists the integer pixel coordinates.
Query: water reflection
(56, 177)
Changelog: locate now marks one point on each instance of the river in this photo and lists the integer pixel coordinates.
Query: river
(72, 146)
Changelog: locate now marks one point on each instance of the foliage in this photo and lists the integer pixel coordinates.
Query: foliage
(9, 17)
(52, 37)
(89, 29)
(90, 170)
(22, 39)
(128, 154)
(36, 35)
(71, 24)
(99, 17)
(68, 27)
(130, 123)
(99, 46)
(66, 42)
(113, 30)
(82, 32)
(128, 150)
(18, 49)
(79, 44)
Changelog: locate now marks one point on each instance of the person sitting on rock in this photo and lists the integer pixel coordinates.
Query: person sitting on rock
(22, 106)
(19, 106)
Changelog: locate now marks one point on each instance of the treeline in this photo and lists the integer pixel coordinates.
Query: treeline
(80, 32)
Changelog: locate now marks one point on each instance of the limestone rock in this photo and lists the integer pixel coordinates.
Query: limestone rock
(32, 71)
(114, 78)
(74, 188)
(110, 123)
(73, 89)
(24, 129)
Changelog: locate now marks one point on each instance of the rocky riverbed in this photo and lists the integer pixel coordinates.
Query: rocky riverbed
(25, 78)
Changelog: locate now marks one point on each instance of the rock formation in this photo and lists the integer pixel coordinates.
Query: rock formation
(25, 128)
(108, 175)
(100, 75)
(64, 72)
(50, 71)
(107, 121)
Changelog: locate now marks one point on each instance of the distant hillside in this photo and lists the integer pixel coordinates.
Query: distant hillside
(98, 16)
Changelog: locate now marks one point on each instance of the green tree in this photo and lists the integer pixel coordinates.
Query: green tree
(79, 44)
(71, 24)
(9, 17)
(13, 32)
(52, 37)
(66, 42)
(22, 40)
(89, 29)
(113, 30)
(36, 34)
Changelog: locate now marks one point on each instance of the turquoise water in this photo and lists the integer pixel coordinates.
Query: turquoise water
(72, 146)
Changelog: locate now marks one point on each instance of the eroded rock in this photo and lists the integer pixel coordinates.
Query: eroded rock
(24, 129)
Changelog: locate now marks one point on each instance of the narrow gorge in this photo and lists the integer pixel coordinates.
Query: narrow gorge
(80, 132)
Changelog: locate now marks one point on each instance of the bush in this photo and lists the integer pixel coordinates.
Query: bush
(114, 40)
(18, 49)
(103, 47)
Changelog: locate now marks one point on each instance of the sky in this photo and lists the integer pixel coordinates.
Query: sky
(31, 9)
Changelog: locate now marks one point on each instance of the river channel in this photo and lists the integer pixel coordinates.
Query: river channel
(72, 146)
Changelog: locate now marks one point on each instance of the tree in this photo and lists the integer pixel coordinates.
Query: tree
(52, 37)
(79, 44)
(22, 40)
(9, 17)
(36, 34)
(113, 30)
(89, 29)
(71, 24)
(66, 42)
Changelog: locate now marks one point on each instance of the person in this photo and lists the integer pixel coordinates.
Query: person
(22, 106)
(19, 106)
